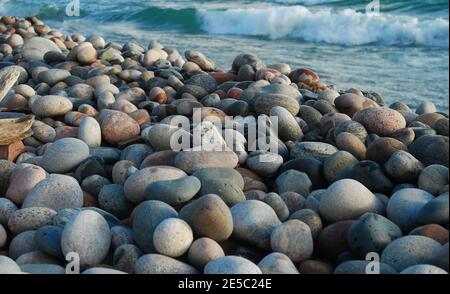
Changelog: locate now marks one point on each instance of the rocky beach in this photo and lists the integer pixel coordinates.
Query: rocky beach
(90, 176)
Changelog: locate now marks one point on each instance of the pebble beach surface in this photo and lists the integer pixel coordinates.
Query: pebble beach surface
(96, 174)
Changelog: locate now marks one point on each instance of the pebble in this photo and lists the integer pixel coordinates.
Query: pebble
(288, 128)
(53, 76)
(310, 115)
(51, 106)
(278, 205)
(216, 224)
(443, 257)
(146, 217)
(192, 161)
(403, 167)
(311, 218)
(91, 166)
(317, 150)
(90, 132)
(347, 199)
(328, 95)
(382, 148)
(423, 269)
(253, 222)
(293, 181)
(264, 163)
(87, 234)
(27, 219)
(352, 127)
(332, 240)
(135, 186)
(442, 127)
(121, 235)
(266, 101)
(227, 190)
(371, 175)
(136, 153)
(406, 136)
(160, 264)
(349, 142)
(172, 237)
(55, 192)
(6, 168)
(435, 211)
(404, 206)
(382, 121)
(431, 149)
(22, 243)
(426, 107)
(93, 184)
(102, 271)
(311, 266)
(48, 240)
(3, 236)
(64, 155)
(203, 250)
(23, 181)
(231, 265)
(42, 269)
(125, 256)
(433, 179)
(350, 103)
(112, 199)
(310, 166)
(174, 192)
(294, 201)
(410, 250)
(372, 233)
(118, 127)
(294, 239)
(338, 165)
(277, 263)
(433, 231)
(36, 47)
(43, 132)
(8, 266)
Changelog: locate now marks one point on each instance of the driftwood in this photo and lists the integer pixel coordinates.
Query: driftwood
(8, 80)
(15, 129)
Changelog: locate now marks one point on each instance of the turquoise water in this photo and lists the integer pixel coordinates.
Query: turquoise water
(402, 52)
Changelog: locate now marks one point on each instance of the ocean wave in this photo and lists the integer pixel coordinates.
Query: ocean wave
(345, 27)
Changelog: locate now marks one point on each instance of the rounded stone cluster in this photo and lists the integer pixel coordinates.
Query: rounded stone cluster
(103, 171)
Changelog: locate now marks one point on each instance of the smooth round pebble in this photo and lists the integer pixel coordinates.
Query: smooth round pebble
(87, 234)
(172, 237)
(55, 192)
(231, 265)
(294, 239)
(410, 250)
(203, 250)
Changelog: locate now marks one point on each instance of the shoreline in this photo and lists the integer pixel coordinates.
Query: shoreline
(89, 164)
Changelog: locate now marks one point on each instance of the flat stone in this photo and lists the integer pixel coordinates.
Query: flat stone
(27, 219)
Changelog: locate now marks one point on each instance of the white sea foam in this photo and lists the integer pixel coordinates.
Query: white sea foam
(345, 27)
